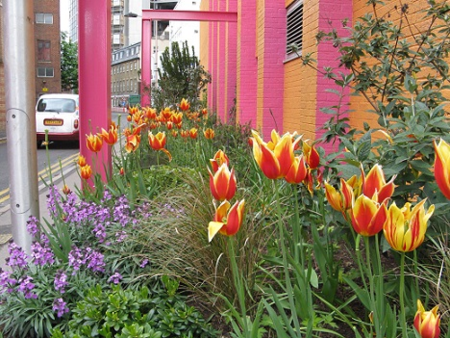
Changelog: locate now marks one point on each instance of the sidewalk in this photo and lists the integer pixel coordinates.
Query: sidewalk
(72, 180)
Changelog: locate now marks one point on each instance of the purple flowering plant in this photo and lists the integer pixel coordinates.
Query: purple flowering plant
(69, 255)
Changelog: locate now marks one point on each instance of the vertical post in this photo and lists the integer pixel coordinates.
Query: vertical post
(94, 53)
(146, 63)
(20, 117)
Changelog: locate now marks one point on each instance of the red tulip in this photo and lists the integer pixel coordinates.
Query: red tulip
(275, 158)
(375, 182)
(311, 155)
(297, 173)
(223, 183)
(209, 133)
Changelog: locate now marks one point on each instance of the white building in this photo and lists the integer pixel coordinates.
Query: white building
(181, 31)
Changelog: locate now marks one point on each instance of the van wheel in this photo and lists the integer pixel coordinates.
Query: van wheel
(38, 144)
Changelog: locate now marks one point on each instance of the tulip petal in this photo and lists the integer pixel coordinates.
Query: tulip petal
(213, 229)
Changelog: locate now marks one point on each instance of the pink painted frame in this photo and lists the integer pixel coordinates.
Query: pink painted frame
(151, 14)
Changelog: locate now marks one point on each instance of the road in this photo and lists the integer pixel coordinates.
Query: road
(60, 154)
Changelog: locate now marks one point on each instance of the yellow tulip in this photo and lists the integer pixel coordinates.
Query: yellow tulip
(404, 228)
(442, 167)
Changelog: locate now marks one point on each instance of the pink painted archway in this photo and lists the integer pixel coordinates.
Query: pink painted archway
(150, 14)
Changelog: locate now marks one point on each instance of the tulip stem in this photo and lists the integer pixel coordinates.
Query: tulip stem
(402, 294)
(281, 229)
(238, 284)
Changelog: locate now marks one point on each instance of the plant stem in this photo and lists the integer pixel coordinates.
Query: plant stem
(289, 289)
(238, 285)
(402, 294)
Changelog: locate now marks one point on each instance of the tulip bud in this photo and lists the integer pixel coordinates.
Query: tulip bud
(427, 322)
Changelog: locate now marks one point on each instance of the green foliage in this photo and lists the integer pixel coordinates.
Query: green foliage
(69, 64)
(181, 76)
(156, 312)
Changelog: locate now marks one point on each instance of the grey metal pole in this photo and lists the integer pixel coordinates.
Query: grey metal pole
(18, 37)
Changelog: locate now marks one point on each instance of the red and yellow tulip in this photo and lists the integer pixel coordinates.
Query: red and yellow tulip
(368, 216)
(94, 142)
(81, 160)
(311, 155)
(132, 142)
(404, 228)
(227, 220)
(110, 136)
(427, 322)
(222, 183)
(209, 133)
(86, 172)
(158, 142)
(219, 158)
(442, 167)
(375, 182)
(341, 200)
(275, 157)
(298, 171)
(193, 133)
(184, 105)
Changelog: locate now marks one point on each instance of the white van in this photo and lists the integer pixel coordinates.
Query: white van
(59, 114)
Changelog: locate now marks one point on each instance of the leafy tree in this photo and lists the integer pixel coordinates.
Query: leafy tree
(181, 76)
(69, 63)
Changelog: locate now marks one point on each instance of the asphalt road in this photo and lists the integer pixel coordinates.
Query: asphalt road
(60, 155)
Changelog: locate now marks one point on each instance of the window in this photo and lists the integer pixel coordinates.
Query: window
(46, 18)
(294, 28)
(45, 72)
(43, 50)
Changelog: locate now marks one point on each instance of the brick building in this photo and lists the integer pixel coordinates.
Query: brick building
(47, 47)
(47, 53)
(251, 63)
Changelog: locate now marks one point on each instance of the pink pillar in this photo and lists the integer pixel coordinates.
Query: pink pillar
(232, 56)
(274, 54)
(248, 67)
(94, 55)
(146, 66)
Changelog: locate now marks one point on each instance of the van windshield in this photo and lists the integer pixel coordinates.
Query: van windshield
(58, 105)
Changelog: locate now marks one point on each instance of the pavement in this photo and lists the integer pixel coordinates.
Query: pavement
(72, 180)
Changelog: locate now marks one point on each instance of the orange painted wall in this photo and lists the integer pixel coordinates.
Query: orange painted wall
(260, 33)
(300, 82)
(358, 104)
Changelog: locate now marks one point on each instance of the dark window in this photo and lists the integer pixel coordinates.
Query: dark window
(43, 50)
(45, 72)
(295, 28)
(46, 18)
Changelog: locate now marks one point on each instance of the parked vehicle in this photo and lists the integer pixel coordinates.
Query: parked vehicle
(59, 115)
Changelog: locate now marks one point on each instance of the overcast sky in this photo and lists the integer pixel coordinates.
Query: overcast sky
(64, 12)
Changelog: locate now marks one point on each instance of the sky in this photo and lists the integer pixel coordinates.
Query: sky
(64, 12)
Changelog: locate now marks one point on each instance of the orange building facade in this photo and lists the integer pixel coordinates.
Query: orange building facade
(257, 76)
